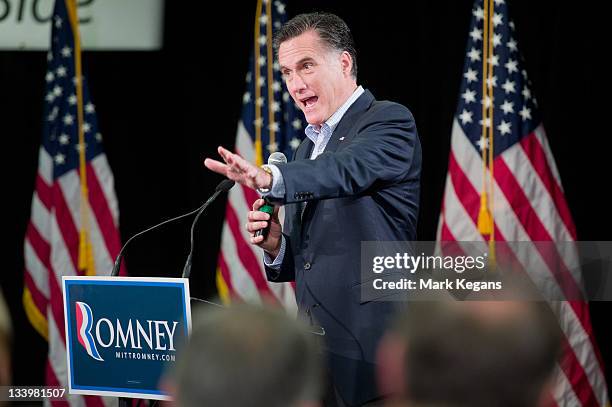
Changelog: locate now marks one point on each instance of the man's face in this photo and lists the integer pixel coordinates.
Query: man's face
(317, 78)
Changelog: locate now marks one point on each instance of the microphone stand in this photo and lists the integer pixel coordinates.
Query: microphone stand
(223, 186)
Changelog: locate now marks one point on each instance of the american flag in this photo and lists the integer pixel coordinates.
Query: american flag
(524, 199)
(73, 227)
(270, 122)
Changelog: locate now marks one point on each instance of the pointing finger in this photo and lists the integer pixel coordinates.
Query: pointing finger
(216, 166)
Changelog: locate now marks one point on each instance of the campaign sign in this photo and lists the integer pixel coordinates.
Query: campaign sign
(122, 333)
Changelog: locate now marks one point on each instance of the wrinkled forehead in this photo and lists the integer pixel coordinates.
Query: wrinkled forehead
(306, 46)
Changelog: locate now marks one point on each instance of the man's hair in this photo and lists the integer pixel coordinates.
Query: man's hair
(478, 355)
(332, 30)
(246, 355)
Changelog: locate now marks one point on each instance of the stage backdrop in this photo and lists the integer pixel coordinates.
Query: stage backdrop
(161, 112)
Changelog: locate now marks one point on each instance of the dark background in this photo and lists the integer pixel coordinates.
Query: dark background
(162, 112)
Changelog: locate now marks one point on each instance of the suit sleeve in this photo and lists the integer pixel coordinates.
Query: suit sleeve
(286, 271)
(382, 151)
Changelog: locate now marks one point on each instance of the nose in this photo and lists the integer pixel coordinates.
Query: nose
(296, 84)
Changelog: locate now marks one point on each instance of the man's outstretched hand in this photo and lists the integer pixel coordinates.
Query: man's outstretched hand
(240, 170)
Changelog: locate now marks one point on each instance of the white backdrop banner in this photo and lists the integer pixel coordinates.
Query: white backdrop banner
(104, 24)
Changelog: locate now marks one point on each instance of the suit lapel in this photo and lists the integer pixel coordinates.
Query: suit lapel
(304, 150)
(342, 134)
(302, 153)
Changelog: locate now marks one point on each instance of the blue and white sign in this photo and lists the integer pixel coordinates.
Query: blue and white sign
(122, 333)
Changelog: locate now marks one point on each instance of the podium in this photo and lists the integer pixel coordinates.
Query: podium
(122, 333)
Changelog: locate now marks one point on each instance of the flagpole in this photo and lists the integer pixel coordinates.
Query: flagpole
(257, 105)
(85, 258)
(492, 257)
(484, 216)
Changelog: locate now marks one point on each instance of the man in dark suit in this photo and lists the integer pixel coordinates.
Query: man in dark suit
(354, 178)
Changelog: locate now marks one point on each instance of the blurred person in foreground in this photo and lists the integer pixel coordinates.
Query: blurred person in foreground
(470, 354)
(247, 356)
(5, 343)
(5, 347)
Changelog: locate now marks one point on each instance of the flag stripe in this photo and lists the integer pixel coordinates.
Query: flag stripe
(573, 370)
(37, 246)
(543, 140)
(51, 380)
(39, 299)
(57, 309)
(57, 354)
(225, 273)
(445, 233)
(533, 226)
(103, 179)
(575, 321)
(45, 166)
(65, 224)
(458, 220)
(244, 143)
(103, 213)
(241, 280)
(525, 175)
(44, 192)
(563, 398)
(464, 191)
(519, 203)
(250, 196)
(57, 374)
(37, 271)
(538, 159)
(70, 220)
(581, 309)
(101, 257)
(40, 218)
(541, 202)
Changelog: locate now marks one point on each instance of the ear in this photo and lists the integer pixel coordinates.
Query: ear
(346, 61)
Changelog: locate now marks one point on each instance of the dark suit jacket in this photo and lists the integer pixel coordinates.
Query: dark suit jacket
(365, 186)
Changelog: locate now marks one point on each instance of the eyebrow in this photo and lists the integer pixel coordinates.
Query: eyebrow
(300, 62)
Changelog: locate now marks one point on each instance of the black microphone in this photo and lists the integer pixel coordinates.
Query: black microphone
(268, 207)
(223, 185)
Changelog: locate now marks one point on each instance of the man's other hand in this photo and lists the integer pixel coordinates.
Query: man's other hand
(259, 220)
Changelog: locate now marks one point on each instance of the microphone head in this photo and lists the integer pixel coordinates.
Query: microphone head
(225, 185)
(277, 158)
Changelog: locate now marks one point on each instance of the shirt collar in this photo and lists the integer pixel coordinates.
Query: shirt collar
(312, 131)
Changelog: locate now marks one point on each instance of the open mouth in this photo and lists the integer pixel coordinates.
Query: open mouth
(309, 102)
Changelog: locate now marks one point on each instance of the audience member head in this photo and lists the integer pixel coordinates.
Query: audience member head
(247, 355)
(471, 353)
